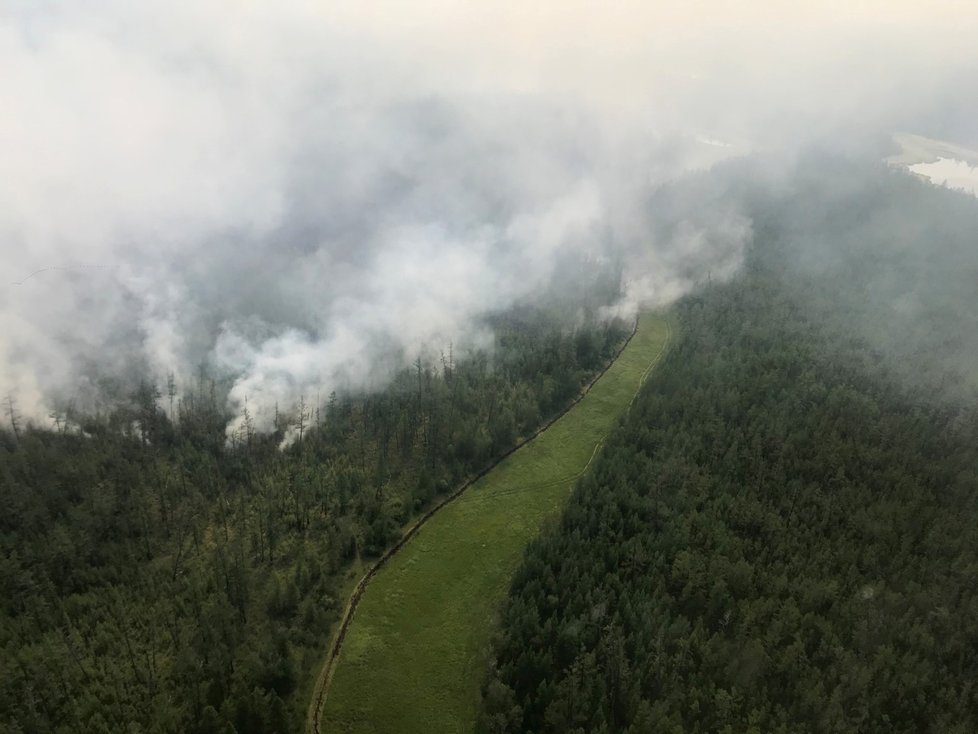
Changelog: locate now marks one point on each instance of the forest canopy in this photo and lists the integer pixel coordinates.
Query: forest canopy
(160, 575)
(783, 534)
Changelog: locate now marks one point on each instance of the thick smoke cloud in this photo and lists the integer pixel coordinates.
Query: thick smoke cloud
(287, 191)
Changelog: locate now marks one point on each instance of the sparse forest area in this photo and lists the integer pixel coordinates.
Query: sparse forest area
(159, 578)
(783, 534)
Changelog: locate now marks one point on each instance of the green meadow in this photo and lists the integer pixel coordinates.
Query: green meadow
(416, 653)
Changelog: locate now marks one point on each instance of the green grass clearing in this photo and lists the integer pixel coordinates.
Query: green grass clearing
(415, 655)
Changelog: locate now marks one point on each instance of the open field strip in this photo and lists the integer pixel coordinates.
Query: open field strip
(414, 656)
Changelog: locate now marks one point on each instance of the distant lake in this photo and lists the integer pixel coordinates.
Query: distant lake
(954, 173)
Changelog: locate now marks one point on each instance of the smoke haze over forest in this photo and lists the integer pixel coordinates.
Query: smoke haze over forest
(287, 191)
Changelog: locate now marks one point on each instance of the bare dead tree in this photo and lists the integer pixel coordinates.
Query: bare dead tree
(301, 419)
(248, 424)
(171, 390)
(55, 416)
(13, 415)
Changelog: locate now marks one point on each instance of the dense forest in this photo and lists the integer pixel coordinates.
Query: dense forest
(782, 536)
(158, 576)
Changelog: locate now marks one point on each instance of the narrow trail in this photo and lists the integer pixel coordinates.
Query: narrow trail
(325, 678)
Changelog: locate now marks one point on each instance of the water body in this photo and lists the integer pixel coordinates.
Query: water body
(950, 172)
(940, 162)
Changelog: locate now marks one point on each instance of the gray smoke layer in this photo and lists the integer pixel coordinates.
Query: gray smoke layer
(305, 197)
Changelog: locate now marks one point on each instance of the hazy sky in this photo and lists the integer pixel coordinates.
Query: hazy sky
(277, 187)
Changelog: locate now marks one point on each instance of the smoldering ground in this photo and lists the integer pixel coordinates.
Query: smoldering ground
(287, 191)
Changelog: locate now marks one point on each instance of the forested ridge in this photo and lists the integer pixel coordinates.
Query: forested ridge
(783, 534)
(157, 577)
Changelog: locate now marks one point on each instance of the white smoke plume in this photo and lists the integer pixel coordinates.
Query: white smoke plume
(288, 190)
